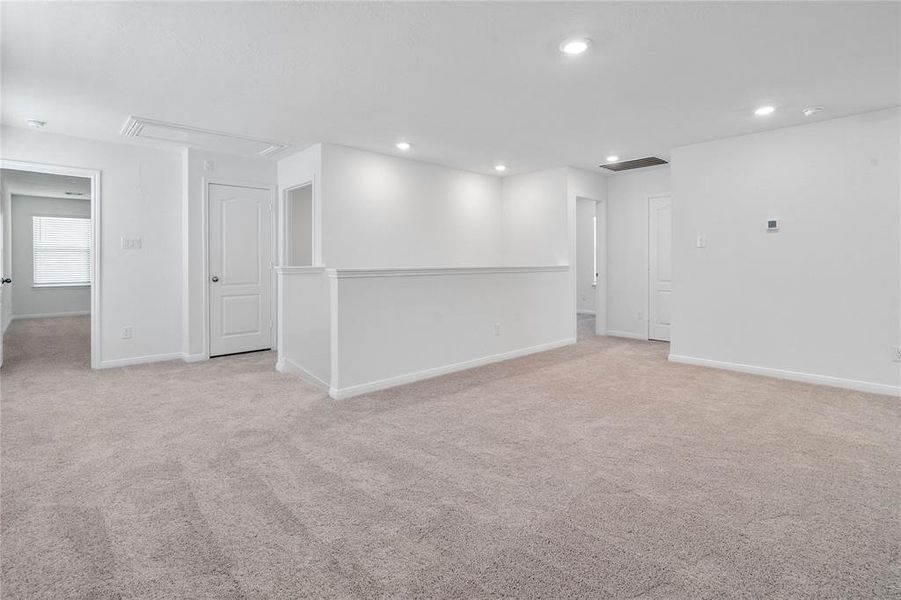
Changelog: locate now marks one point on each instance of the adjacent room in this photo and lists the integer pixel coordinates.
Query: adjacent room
(47, 248)
(450, 300)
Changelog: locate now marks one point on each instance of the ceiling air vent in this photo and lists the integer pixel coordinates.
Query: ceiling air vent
(638, 163)
(194, 137)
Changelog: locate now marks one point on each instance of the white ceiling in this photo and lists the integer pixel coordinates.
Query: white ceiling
(469, 84)
(27, 183)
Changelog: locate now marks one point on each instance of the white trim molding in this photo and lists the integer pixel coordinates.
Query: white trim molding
(139, 360)
(192, 358)
(364, 388)
(74, 313)
(282, 270)
(839, 382)
(627, 334)
(434, 271)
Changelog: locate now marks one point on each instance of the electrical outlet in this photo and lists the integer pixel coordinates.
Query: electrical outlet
(896, 353)
(640, 315)
(126, 333)
(497, 329)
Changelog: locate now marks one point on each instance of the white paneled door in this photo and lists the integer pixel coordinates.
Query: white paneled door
(660, 267)
(240, 269)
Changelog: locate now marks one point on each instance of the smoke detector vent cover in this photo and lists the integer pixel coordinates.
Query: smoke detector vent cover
(638, 163)
(194, 137)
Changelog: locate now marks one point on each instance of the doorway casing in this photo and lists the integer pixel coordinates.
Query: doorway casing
(94, 176)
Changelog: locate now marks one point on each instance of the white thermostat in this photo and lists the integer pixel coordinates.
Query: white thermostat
(772, 225)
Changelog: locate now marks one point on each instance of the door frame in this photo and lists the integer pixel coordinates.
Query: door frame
(600, 291)
(205, 217)
(648, 285)
(94, 176)
(287, 219)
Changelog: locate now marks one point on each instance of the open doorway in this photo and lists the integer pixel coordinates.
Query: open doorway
(660, 280)
(47, 266)
(591, 267)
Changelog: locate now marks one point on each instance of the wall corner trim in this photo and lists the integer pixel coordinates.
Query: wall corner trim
(838, 382)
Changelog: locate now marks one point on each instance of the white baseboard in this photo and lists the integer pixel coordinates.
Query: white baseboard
(627, 334)
(77, 313)
(850, 384)
(192, 358)
(364, 388)
(138, 360)
(289, 366)
(587, 312)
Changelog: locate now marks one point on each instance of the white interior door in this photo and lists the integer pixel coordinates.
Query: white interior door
(239, 269)
(660, 267)
(4, 282)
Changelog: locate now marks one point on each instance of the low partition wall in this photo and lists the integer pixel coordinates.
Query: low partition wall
(304, 323)
(387, 327)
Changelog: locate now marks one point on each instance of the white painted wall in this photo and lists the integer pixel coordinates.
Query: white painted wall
(387, 211)
(400, 327)
(820, 298)
(537, 218)
(305, 323)
(200, 167)
(585, 289)
(627, 247)
(25, 299)
(142, 197)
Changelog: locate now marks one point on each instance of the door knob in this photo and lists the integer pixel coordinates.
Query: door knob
(215, 278)
(6, 280)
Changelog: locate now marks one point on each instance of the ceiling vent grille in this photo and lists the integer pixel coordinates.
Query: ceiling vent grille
(194, 137)
(638, 163)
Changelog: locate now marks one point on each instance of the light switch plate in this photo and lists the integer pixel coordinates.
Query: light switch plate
(701, 241)
(131, 243)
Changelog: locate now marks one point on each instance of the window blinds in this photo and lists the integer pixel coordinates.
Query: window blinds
(62, 251)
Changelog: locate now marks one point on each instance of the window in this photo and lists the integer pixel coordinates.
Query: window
(62, 251)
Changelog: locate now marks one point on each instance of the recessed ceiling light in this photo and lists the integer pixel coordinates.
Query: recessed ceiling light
(36, 123)
(765, 110)
(575, 46)
(812, 110)
(403, 145)
(500, 168)
(612, 159)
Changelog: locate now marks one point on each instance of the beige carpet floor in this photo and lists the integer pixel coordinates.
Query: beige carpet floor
(594, 471)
